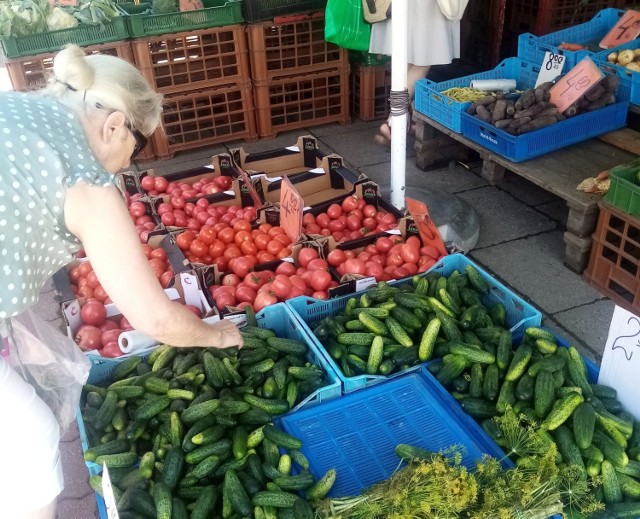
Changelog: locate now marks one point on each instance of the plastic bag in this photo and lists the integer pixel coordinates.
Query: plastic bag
(345, 25)
(51, 362)
(376, 10)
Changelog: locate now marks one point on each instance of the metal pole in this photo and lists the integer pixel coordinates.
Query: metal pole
(399, 19)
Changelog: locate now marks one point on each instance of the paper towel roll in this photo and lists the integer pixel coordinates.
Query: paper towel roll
(132, 341)
(502, 85)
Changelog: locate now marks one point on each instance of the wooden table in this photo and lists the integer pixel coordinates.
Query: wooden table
(558, 172)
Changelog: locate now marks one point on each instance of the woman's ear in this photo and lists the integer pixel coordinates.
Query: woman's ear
(113, 124)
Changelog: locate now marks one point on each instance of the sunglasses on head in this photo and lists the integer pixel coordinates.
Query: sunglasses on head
(141, 141)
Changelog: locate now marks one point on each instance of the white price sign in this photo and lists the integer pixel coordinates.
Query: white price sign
(551, 67)
(621, 359)
(107, 492)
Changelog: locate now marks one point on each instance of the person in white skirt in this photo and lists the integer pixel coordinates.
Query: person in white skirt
(432, 40)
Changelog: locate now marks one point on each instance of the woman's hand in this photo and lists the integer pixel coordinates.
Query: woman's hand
(229, 334)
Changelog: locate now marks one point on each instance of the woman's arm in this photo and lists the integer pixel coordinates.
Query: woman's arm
(99, 218)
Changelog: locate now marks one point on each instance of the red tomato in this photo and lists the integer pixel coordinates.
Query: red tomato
(248, 248)
(364, 256)
(370, 211)
(431, 251)
(273, 247)
(226, 235)
(320, 294)
(281, 286)
(354, 266)
(401, 272)
(92, 280)
(148, 183)
(361, 203)
(254, 280)
(225, 299)
(263, 300)
(110, 335)
(323, 220)
(137, 209)
(181, 219)
(409, 253)
(245, 294)
(424, 266)
(298, 281)
(375, 269)
(194, 309)
(166, 278)
(394, 259)
(384, 244)
(369, 223)
(74, 275)
(411, 267)
(108, 325)
(264, 257)
(230, 280)
(287, 268)
(88, 337)
(184, 239)
(308, 219)
(216, 249)
(353, 223)
(241, 266)
(161, 184)
(164, 207)
(85, 291)
(232, 251)
(84, 269)
(389, 219)
(320, 280)
(307, 254)
(334, 211)
(336, 257)
(349, 203)
(93, 312)
(111, 350)
(242, 236)
(318, 264)
(198, 248)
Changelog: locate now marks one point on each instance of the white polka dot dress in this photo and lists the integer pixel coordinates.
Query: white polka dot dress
(43, 150)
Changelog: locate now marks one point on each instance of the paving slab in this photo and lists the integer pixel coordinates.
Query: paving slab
(556, 210)
(590, 323)
(359, 148)
(81, 508)
(356, 125)
(76, 476)
(534, 266)
(282, 140)
(182, 161)
(503, 218)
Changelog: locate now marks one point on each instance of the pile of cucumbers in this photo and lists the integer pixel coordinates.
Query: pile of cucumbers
(187, 433)
(548, 383)
(391, 328)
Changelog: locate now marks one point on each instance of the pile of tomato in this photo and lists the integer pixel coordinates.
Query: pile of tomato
(158, 186)
(349, 220)
(309, 276)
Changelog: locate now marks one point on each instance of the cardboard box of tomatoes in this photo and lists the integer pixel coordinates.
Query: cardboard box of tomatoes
(302, 156)
(331, 181)
(101, 330)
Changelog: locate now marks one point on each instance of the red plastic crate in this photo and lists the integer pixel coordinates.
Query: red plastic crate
(204, 117)
(32, 72)
(544, 16)
(614, 264)
(370, 90)
(292, 48)
(191, 60)
(300, 101)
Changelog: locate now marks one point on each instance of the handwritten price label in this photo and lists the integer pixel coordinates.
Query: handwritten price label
(627, 29)
(551, 68)
(291, 207)
(575, 83)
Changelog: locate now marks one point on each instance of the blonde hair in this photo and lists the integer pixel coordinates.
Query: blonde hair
(108, 81)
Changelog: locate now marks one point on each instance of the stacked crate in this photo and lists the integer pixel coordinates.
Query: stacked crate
(299, 79)
(370, 85)
(544, 16)
(204, 77)
(614, 265)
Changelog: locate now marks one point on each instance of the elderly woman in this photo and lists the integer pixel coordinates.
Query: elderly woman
(59, 151)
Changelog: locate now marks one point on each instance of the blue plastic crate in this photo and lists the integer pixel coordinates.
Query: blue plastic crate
(633, 77)
(532, 48)
(278, 318)
(446, 111)
(357, 433)
(311, 311)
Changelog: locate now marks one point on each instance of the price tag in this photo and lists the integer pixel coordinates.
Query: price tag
(291, 206)
(428, 231)
(575, 83)
(551, 68)
(627, 29)
(107, 492)
(621, 359)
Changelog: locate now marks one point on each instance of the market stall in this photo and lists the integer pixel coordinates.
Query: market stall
(382, 373)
